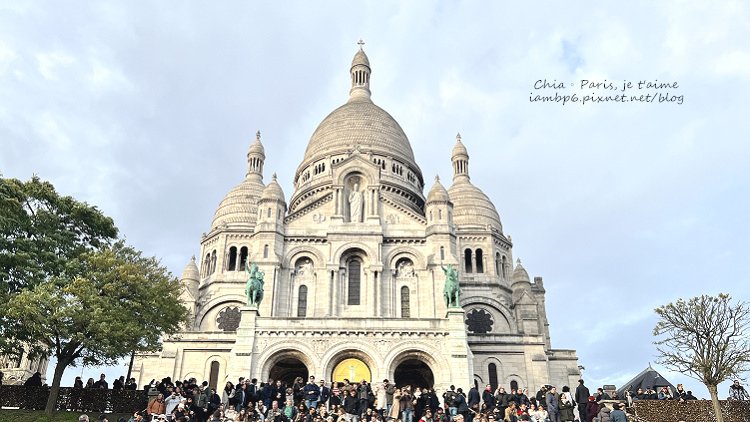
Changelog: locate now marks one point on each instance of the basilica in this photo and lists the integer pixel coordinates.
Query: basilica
(354, 267)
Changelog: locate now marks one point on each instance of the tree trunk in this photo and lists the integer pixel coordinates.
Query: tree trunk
(62, 363)
(712, 389)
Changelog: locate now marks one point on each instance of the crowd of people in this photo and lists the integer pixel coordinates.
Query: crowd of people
(314, 400)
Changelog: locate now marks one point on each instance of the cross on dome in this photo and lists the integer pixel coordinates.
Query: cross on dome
(361, 44)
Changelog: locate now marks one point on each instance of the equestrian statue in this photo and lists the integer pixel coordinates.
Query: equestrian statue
(254, 286)
(451, 291)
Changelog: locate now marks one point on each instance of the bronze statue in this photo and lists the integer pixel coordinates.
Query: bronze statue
(254, 286)
(451, 291)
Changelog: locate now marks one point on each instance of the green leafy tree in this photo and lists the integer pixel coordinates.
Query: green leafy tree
(706, 339)
(41, 230)
(116, 302)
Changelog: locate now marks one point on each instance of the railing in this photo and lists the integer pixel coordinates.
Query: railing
(73, 399)
(690, 410)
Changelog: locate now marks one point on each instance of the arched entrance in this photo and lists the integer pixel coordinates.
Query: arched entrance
(413, 372)
(287, 369)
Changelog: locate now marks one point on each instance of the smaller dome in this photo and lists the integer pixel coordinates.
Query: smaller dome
(438, 193)
(239, 207)
(459, 148)
(471, 207)
(191, 271)
(519, 273)
(273, 191)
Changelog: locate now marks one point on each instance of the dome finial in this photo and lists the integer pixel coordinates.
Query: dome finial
(257, 135)
(361, 45)
(458, 137)
(437, 177)
(274, 176)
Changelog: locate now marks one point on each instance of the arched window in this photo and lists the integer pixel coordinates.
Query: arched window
(213, 377)
(243, 258)
(480, 261)
(440, 214)
(354, 271)
(498, 265)
(213, 261)
(442, 253)
(269, 212)
(467, 260)
(492, 369)
(302, 302)
(505, 267)
(514, 385)
(430, 215)
(232, 259)
(405, 306)
(265, 251)
(207, 265)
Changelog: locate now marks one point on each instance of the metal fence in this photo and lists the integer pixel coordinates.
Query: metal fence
(73, 399)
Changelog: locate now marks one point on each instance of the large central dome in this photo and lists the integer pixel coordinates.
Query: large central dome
(359, 124)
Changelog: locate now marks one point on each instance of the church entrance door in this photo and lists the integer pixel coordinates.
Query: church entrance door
(413, 372)
(287, 369)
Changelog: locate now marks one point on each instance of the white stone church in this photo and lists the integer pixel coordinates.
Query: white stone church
(353, 284)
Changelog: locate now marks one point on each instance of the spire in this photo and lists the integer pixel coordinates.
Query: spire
(360, 72)
(256, 156)
(460, 159)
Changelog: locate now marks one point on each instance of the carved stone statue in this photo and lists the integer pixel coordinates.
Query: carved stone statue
(355, 205)
(406, 269)
(305, 268)
(451, 291)
(254, 286)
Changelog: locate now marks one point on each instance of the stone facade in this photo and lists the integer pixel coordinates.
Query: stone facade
(18, 368)
(353, 268)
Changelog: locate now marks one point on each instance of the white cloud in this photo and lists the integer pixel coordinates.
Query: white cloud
(51, 63)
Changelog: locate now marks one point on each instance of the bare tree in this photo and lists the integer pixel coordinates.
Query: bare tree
(706, 339)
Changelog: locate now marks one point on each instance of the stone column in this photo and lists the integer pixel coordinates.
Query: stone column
(457, 349)
(241, 357)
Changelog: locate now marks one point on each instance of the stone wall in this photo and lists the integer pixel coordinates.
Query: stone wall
(689, 411)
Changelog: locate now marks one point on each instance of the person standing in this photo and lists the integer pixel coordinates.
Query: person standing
(488, 398)
(407, 405)
(582, 396)
(395, 411)
(449, 398)
(102, 383)
(553, 405)
(566, 405)
(381, 398)
(325, 394)
(311, 393)
(351, 406)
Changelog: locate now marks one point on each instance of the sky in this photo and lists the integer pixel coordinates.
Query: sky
(146, 110)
